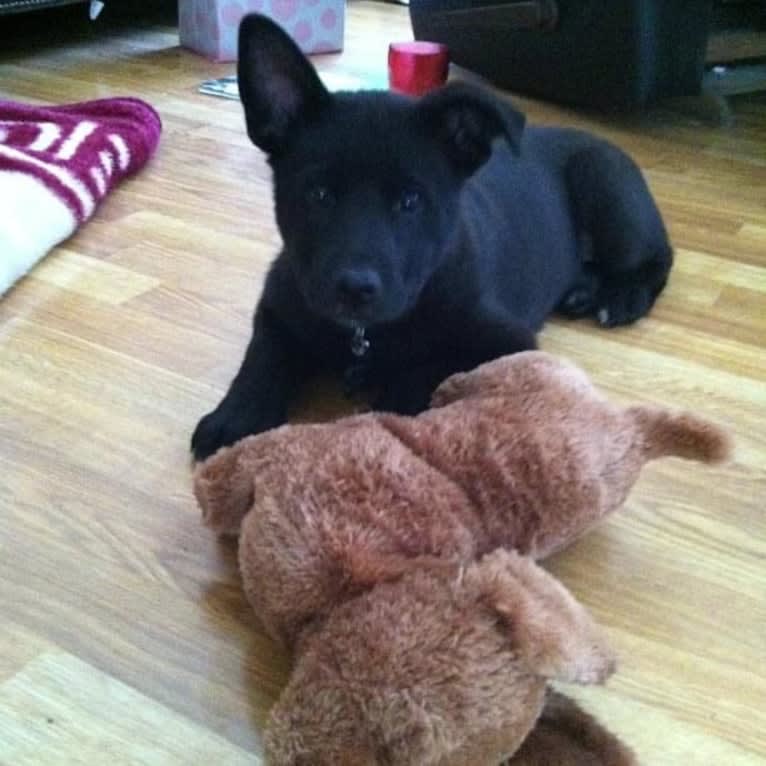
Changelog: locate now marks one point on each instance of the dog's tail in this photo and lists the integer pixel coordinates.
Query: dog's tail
(225, 489)
(681, 434)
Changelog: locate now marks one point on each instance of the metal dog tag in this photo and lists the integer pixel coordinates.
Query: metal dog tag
(359, 343)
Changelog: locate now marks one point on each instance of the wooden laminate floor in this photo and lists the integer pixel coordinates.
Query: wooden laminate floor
(124, 636)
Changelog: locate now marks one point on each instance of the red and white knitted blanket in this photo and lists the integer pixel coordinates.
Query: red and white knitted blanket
(57, 164)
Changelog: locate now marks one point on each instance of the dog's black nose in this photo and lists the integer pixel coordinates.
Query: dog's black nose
(356, 288)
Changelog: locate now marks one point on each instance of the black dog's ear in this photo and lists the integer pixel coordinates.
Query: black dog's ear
(278, 85)
(466, 120)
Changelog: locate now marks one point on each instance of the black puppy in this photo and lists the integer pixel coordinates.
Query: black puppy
(415, 245)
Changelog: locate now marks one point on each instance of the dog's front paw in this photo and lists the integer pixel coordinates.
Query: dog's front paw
(225, 426)
(213, 431)
(405, 396)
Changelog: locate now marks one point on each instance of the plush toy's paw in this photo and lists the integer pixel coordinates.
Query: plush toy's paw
(597, 666)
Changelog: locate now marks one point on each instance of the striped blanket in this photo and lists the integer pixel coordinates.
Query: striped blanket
(57, 164)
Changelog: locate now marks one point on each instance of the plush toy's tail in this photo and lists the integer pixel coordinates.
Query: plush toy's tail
(224, 489)
(681, 434)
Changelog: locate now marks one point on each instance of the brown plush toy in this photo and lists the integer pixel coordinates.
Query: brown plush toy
(364, 542)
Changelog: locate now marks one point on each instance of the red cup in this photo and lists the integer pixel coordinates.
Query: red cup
(417, 67)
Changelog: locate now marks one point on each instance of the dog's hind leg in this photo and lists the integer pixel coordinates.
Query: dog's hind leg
(623, 242)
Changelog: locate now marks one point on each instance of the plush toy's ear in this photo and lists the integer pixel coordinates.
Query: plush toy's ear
(452, 389)
(224, 488)
(553, 634)
(505, 376)
(278, 85)
(466, 120)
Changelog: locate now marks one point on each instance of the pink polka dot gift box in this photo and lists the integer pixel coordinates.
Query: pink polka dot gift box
(210, 26)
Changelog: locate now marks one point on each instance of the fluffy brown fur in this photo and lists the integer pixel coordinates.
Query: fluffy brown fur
(443, 666)
(351, 532)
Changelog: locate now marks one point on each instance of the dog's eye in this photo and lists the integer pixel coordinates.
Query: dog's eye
(319, 195)
(408, 202)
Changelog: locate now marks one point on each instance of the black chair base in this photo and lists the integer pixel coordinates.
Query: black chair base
(604, 53)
